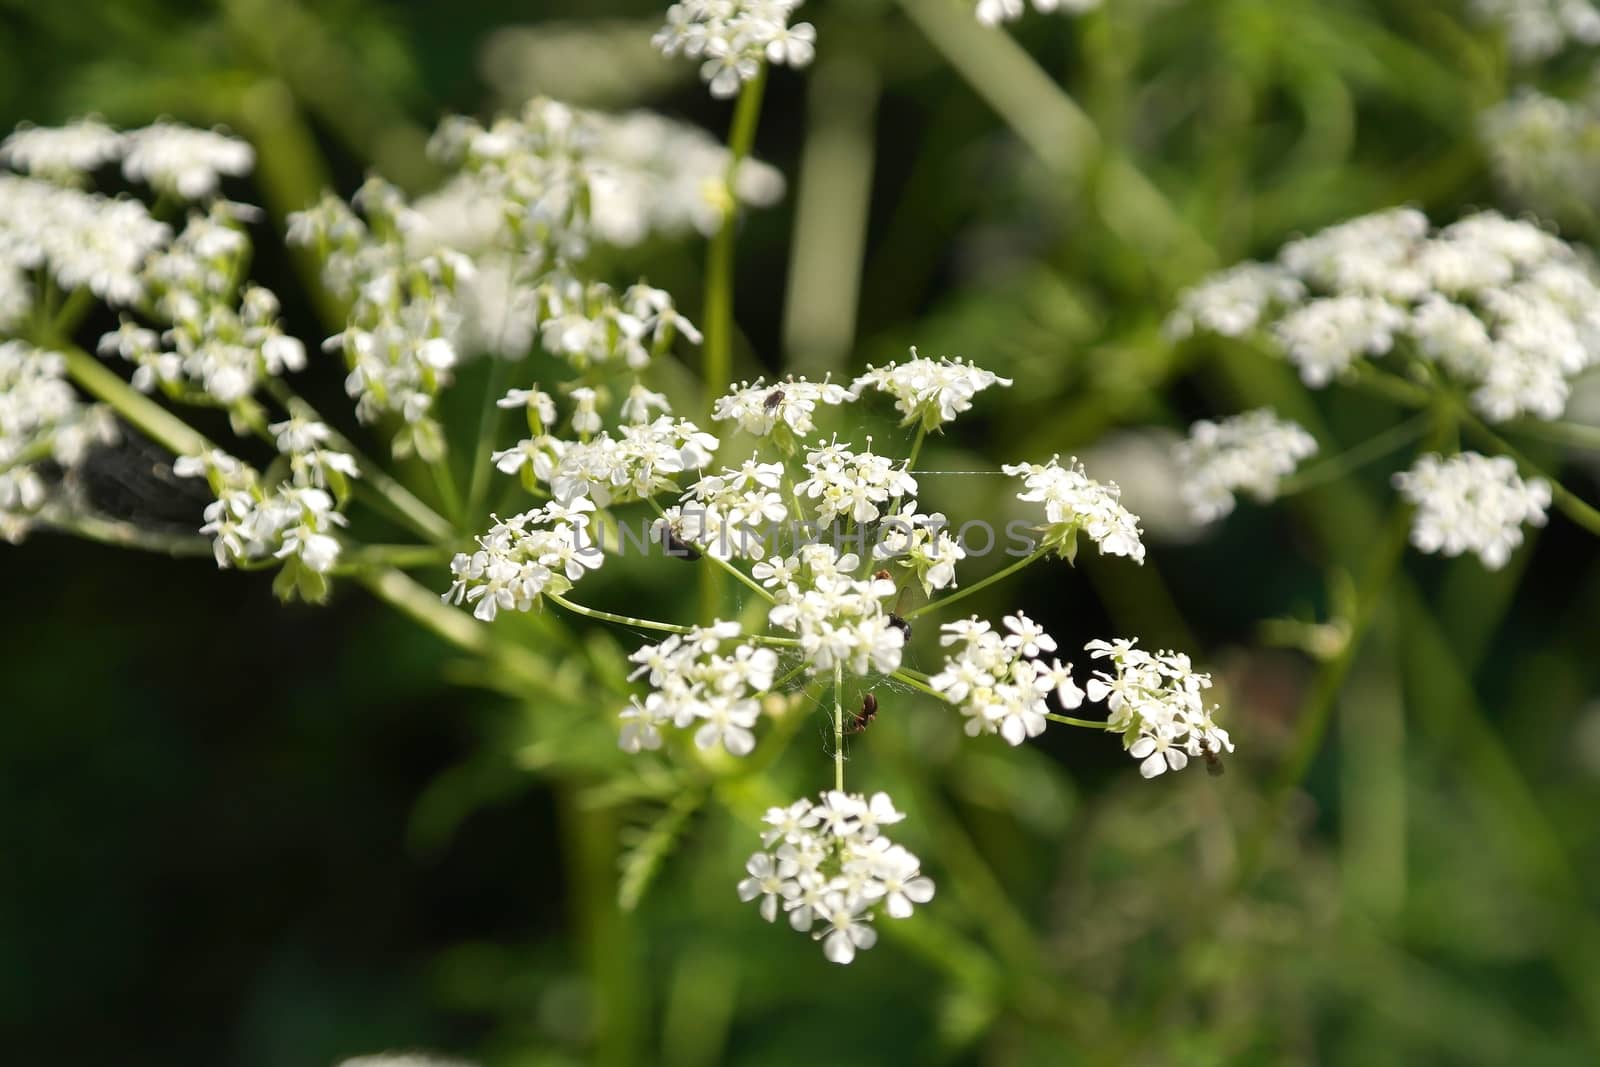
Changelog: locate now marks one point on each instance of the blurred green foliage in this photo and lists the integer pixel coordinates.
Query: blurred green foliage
(238, 834)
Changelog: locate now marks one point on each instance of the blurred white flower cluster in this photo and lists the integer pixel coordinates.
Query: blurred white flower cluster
(733, 38)
(1538, 29)
(1075, 502)
(1156, 701)
(177, 161)
(831, 869)
(1545, 152)
(1000, 682)
(397, 341)
(1472, 503)
(1501, 305)
(1251, 452)
(42, 422)
(994, 12)
(77, 239)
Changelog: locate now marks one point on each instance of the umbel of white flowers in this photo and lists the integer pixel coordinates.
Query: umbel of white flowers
(732, 38)
(831, 870)
(1509, 310)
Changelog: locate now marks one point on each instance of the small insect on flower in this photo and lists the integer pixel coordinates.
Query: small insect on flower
(1213, 765)
(773, 399)
(676, 546)
(900, 624)
(864, 717)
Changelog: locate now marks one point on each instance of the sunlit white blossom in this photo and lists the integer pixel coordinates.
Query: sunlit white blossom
(830, 869)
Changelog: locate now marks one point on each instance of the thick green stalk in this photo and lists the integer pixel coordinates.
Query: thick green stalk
(150, 418)
(717, 321)
(1570, 504)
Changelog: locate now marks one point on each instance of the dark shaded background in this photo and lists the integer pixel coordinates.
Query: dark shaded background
(209, 803)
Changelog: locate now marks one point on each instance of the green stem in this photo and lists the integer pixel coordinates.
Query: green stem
(624, 620)
(1571, 434)
(150, 418)
(718, 318)
(488, 420)
(127, 535)
(838, 726)
(916, 446)
(1068, 720)
(1573, 506)
(444, 480)
(404, 503)
(943, 602)
(397, 556)
(906, 676)
(1373, 448)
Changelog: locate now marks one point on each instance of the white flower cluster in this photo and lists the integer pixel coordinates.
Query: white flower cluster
(1538, 29)
(840, 619)
(176, 160)
(547, 185)
(82, 240)
(729, 515)
(1156, 701)
(1000, 682)
(397, 340)
(1471, 503)
(1072, 502)
(734, 37)
(643, 460)
(565, 177)
(225, 340)
(831, 869)
(524, 557)
(1545, 152)
(252, 524)
(994, 12)
(1500, 304)
(919, 543)
(858, 486)
(695, 685)
(1250, 452)
(784, 409)
(41, 420)
(930, 392)
(589, 325)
